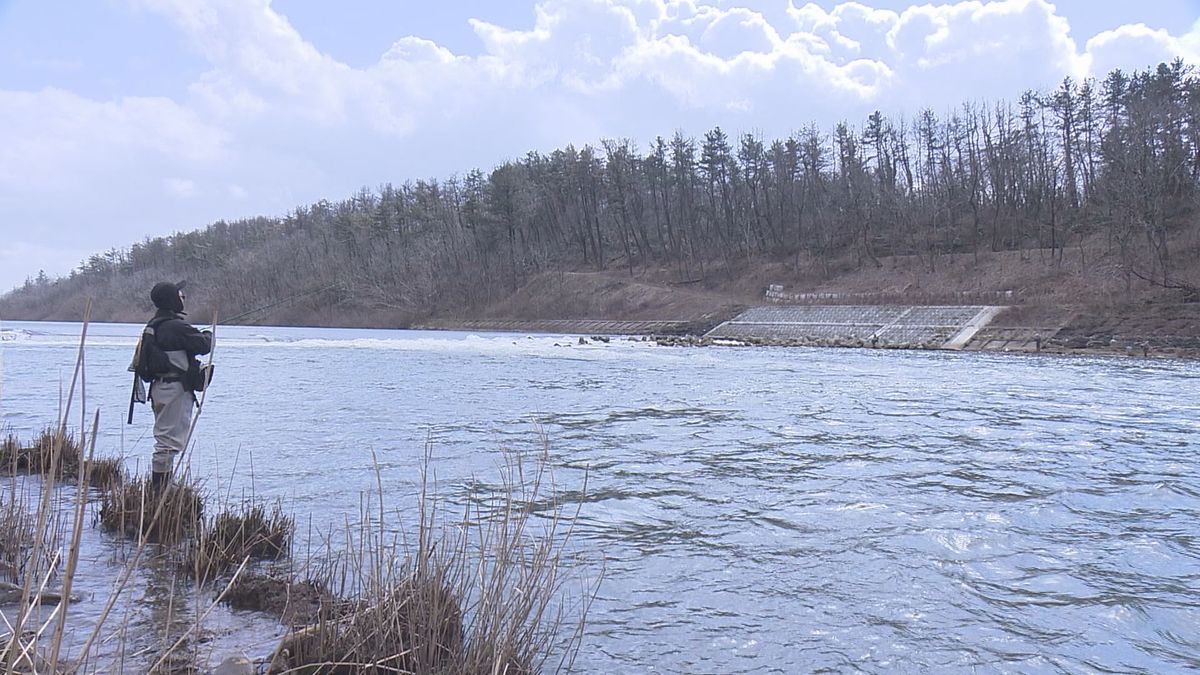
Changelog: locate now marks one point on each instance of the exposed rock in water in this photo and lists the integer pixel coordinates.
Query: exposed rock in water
(11, 594)
(235, 665)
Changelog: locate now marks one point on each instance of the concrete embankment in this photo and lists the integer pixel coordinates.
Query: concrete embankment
(1143, 330)
(903, 326)
(1158, 330)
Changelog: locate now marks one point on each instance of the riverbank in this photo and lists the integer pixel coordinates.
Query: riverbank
(1084, 305)
(1051, 304)
(1161, 330)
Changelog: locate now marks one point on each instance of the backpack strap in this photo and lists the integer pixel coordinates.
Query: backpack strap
(150, 331)
(158, 321)
(152, 325)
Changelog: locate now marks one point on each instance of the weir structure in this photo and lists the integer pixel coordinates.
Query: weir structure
(929, 327)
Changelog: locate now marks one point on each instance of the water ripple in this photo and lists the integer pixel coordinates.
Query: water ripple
(768, 510)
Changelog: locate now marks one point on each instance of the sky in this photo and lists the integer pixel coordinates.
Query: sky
(127, 119)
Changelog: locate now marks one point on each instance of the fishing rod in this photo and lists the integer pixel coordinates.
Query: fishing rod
(283, 301)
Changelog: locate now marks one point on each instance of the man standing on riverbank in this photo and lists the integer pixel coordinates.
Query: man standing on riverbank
(170, 359)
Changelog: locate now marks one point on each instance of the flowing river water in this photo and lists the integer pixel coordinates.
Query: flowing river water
(753, 510)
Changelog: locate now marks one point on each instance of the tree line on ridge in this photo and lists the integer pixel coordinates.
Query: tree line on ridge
(1115, 161)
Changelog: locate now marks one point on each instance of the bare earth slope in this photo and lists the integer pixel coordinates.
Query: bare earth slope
(614, 295)
(1079, 299)
(1075, 302)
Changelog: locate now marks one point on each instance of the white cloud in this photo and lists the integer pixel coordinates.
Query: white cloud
(850, 29)
(596, 57)
(180, 187)
(56, 137)
(1136, 47)
(725, 33)
(573, 42)
(274, 122)
(939, 55)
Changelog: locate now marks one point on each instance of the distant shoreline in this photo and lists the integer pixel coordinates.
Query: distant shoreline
(1145, 331)
(676, 333)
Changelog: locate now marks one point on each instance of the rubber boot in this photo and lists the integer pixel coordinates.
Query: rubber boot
(159, 479)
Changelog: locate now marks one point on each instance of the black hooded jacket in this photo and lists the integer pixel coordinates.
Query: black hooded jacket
(174, 334)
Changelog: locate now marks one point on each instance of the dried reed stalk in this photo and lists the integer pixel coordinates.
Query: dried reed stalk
(481, 594)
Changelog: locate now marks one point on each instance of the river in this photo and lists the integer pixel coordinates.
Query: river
(754, 510)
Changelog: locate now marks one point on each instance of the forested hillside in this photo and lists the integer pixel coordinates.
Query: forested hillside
(1105, 173)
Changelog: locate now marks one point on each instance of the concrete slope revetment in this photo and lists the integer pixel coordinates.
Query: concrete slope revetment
(929, 327)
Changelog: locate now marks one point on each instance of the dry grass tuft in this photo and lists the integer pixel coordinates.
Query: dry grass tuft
(292, 602)
(134, 507)
(105, 473)
(60, 452)
(254, 531)
(478, 594)
(18, 537)
(249, 530)
(413, 626)
(10, 449)
(55, 448)
(50, 449)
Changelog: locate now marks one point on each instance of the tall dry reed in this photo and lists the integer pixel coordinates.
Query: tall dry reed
(478, 593)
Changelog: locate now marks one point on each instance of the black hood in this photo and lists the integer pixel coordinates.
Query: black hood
(166, 295)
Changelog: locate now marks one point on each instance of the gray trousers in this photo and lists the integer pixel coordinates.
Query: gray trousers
(172, 405)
